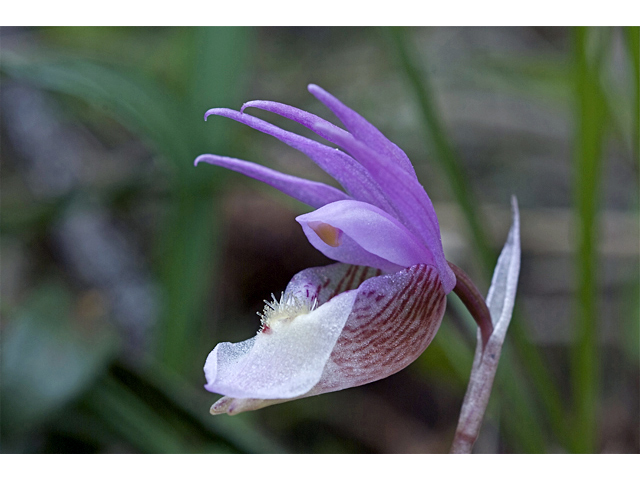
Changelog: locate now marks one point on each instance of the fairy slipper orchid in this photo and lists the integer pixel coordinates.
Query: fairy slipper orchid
(361, 319)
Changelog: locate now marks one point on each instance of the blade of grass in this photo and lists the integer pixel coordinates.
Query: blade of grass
(155, 412)
(182, 401)
(546, 78)
(591, 121)
(143, 419)
(445, 154)
(130, 418)
(136, 101)
(219, 74)
(190, 252)
(189, 255)
(551, 80)
(442, 147)
(632, 36)
(620, 111)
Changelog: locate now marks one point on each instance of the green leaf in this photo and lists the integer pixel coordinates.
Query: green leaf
(591, 125)
(152, 411)
(135, 100)
(189, 262)
(189, 249)
(48, 358)
(445, 154)
(632, 37)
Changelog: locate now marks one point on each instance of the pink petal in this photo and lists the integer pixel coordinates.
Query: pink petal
(324, 283)
(408, 198)
(306, 119)
(359, 233)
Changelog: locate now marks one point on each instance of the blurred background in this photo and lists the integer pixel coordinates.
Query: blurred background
(122, 265)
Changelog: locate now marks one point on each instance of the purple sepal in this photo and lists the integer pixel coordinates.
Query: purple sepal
(315, 194)
(362, 129)
(349, 173)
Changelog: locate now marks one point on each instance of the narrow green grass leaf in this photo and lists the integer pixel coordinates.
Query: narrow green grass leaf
(545, 78)
(222, 55)
(632, 37)
(130, 418)
(190, 252)
(445, 154)
(189, 248)
(180, 399)
(591, 122)
(133, 99)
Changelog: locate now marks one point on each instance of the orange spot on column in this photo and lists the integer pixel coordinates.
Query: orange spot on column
(330, 235)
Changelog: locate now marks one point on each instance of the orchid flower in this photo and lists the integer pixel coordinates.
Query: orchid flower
(376, 310)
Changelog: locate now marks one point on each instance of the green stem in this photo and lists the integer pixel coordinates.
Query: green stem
(591, 121)
(444, 153)
(190, 258)
(189, 248)
(632, 35)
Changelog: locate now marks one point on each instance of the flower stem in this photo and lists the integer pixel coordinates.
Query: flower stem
(474, 301)
(500, 302)
(538, 373)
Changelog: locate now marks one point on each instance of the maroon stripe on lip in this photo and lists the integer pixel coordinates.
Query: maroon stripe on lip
(380, 340)
(351, 281)
(342, 280)
(353, 277)
(416, 312)
(363, 275)
(409, 289)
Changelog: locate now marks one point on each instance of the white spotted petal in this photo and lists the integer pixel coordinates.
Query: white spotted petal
(365, 328)
(284, 361)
